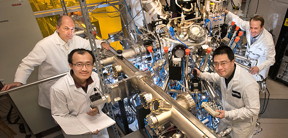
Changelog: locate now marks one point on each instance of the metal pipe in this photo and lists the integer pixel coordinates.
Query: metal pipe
(165, 83)
(129, 53)
(182, 118)
(212, 94)
(186, 71)
(65, 12)
(202, 68)
(33, 83)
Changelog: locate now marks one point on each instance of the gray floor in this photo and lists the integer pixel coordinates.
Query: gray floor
(273, 123)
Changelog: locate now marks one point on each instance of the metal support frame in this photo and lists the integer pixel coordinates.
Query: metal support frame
(96, 52)
(144, 17)
(65, 12)
(51, 12)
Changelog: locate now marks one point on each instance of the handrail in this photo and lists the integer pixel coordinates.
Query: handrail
(32, 83)
(127, 54)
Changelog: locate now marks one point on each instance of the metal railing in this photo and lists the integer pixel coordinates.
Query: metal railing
(33, 83)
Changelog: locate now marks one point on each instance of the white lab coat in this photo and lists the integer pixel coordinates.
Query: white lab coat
(50, 54)
(68, 101)
(240, 100)
(262, 50)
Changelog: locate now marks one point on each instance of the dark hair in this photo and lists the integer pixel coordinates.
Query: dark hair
(224, 50)
(80, 51)
(258, 18)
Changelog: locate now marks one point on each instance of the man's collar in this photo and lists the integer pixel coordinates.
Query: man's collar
(231, 76)
(256, 37)
(59, 40)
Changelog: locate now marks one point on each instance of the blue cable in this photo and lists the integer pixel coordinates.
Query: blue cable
(172, 33)
(206, 22)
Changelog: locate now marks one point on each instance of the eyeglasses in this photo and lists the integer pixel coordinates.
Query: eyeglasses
(81, 65)
(222, 63)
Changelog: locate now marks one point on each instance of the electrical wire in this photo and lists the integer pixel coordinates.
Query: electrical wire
(135, 17)
(265, 102)
(132, 20)
(257, 7)
(247, 8)
(172, 34)
(233, 4)
(9, 117)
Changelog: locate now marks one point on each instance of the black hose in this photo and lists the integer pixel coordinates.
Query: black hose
(257, 7)
(265, 102)
(10, 121)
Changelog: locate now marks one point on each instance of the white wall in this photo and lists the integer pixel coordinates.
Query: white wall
(19, 32)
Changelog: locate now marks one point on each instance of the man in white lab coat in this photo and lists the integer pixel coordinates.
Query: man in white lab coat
(50, 55)
(260, 44)
(240, 94)
(70, 95)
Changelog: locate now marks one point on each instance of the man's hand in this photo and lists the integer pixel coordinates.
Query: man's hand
(198, 72)
(221, 115)
(93, 111)
(105, 45)
(93, 133)
(254, 70)
(11, 85)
